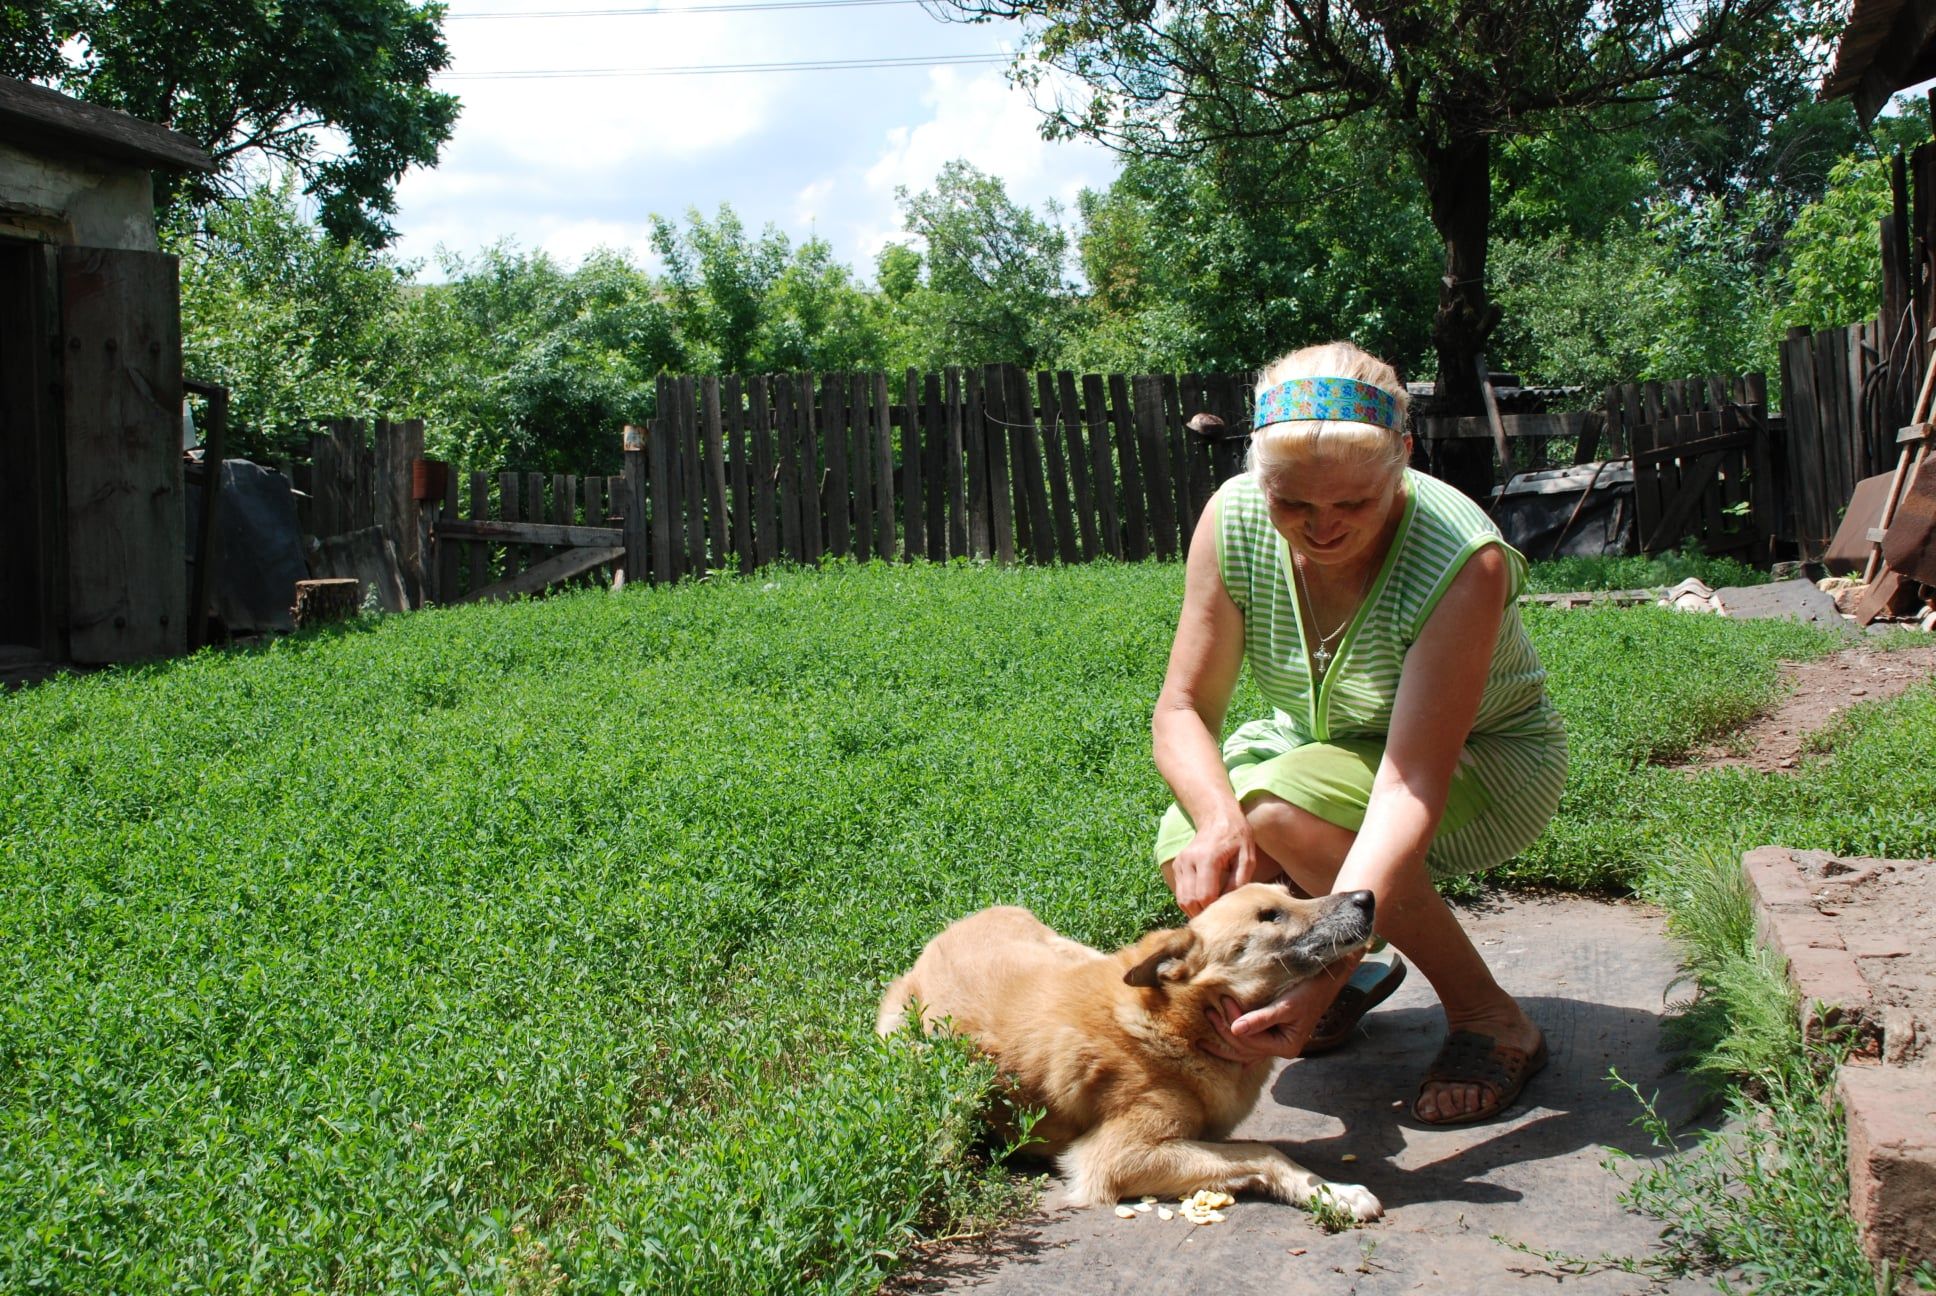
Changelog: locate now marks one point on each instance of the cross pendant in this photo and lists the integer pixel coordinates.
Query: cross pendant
(1321, 658)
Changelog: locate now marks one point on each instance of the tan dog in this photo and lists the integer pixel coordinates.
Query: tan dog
(1107, 1045)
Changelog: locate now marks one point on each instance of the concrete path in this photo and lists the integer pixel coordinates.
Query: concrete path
(1593, 975)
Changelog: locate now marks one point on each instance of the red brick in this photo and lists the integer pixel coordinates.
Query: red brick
(1891, 1116)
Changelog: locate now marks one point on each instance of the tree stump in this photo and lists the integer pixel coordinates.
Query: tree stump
(319, 602)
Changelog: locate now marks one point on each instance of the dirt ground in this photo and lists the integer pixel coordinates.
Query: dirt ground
(1817, 692)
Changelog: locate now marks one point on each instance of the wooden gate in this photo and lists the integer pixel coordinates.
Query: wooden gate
(1704, 464)
(536, 540)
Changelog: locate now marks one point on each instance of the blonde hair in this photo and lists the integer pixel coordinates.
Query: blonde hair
(1278, 446)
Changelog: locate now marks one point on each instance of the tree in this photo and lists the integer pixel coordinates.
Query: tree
(518, 362)
(746, 305)
(997, 289)
(1446, 80)
(337, 90)
(297, 326)
(1222, 263)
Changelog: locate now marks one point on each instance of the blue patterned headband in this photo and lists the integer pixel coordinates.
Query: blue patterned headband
(1344, 399)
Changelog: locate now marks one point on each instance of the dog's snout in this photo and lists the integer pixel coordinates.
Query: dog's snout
(1362, 900)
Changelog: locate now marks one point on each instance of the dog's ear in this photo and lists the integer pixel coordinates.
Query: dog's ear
(1164, 956)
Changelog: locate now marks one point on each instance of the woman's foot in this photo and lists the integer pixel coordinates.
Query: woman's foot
(1485, 1062)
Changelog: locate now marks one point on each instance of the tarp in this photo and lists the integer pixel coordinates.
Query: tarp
(1534, 509)
(258, 548)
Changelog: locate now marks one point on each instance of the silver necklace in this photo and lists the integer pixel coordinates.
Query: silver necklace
(1322, 655)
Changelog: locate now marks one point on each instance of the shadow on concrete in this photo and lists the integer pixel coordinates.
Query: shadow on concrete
(1570, 1106)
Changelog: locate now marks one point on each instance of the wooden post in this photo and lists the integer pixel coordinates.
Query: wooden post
(1034, 532)
(858, 445)
(789, 448)
(638, 563)
(1503, 472)
(534, 511)
(692, 493)
(447, 550)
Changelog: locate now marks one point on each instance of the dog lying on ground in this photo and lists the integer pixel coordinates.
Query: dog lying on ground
(1107, 1044)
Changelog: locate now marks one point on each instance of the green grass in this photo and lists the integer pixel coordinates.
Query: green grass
(504, 948)
(1766, 1196)
(1565, 575)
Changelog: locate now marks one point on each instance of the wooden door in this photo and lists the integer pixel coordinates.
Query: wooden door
(122, 399)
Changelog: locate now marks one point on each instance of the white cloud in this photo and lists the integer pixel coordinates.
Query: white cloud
(983, 119)
(572, 163)
(581, 123)
(812, 201)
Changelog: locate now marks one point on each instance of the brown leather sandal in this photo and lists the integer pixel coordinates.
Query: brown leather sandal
(1468, 1057)
(1371, 984)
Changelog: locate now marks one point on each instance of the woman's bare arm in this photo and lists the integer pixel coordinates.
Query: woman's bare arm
(1438, 699)
(1205, 660)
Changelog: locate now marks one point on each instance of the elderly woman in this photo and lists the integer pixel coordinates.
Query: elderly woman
(1411, 738)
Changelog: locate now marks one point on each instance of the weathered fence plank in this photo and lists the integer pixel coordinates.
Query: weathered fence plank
(1001, 511)
(914, 518)
(1056, 461)
(837, 438)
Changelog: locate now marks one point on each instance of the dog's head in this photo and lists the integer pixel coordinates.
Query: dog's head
(1255, 942)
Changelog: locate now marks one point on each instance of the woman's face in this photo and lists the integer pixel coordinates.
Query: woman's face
(1332, 512)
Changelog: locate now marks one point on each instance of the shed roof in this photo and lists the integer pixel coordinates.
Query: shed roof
(38, 117)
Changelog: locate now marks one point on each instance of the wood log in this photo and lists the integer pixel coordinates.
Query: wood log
(319, 602)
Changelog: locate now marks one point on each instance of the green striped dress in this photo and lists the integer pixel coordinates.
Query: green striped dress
(1320, 749)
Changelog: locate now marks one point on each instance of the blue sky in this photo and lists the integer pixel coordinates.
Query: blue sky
(571, 163)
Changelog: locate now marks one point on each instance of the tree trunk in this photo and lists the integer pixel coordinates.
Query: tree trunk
(1458, 182)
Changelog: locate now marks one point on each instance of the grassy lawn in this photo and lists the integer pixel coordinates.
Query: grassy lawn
(485, 948)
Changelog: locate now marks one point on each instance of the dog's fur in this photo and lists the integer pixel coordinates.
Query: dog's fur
(1107, 1045)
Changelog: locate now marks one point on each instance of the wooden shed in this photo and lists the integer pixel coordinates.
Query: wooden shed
(1888, 45)
(91, 506)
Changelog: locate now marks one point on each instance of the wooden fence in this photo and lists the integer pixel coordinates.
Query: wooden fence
(1845, 394)
(981, 462)
(737, 472)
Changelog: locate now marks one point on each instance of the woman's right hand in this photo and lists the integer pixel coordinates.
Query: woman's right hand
(1221, 857)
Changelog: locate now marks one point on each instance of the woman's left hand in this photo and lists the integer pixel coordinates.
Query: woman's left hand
(1281, 1027)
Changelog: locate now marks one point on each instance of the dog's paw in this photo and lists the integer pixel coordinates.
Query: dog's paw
(1355, 1198)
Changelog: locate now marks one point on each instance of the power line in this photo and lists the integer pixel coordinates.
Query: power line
(751, 6)
(712, 69)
